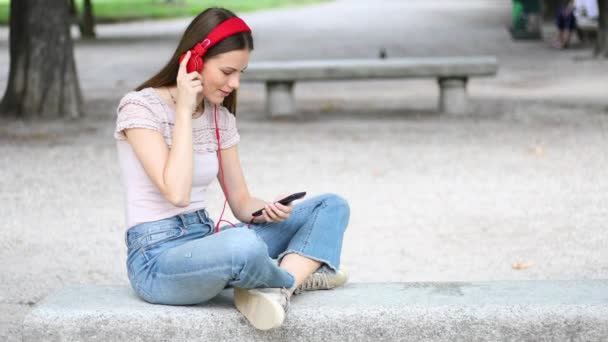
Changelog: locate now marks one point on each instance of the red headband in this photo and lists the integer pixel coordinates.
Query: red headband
(226, 29)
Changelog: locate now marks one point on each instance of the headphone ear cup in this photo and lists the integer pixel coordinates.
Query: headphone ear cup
(195, 63)
(191, 66)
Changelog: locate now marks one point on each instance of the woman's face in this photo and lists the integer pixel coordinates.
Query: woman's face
(222, 74)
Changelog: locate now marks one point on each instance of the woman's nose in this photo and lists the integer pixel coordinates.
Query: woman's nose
(235, 81)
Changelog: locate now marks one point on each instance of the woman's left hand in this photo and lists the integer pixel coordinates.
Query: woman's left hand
(276, 212)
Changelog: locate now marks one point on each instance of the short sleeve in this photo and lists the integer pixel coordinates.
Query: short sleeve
(135, 112)
(204, 137)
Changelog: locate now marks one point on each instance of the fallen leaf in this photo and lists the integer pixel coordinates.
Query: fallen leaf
(522, 265)
(377, 173)
(537, 150)
(327, 107)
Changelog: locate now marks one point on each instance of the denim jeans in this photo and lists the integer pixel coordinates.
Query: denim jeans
(181, 260)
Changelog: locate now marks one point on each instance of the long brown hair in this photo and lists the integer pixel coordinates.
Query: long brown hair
(198, 29)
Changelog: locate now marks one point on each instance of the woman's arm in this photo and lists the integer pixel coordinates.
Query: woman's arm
(172, 170)
(241, 202)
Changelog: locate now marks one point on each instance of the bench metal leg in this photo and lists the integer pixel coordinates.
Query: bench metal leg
(453, 95)
(280, 100)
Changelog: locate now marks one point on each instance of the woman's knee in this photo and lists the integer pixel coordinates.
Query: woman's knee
(336, 203)
(337, 208)
(245, 244)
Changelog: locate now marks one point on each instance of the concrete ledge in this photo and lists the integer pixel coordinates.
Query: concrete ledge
(478, 311)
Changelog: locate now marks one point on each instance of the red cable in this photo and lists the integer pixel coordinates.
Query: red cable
(222, 183)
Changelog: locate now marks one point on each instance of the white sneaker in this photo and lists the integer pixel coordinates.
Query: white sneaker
(322, 281)
(264, 308)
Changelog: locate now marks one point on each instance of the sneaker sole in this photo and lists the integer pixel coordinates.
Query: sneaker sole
(341, 279)
(262, 312)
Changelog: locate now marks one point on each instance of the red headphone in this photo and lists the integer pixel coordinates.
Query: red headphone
(226, 29)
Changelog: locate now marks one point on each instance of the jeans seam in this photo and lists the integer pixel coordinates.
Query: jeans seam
(321, 205)
(168, 275)
(182, 231)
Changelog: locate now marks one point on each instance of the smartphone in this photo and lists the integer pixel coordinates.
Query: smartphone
(284, 201)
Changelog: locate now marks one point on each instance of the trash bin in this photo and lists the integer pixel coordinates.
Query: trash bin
(527, 19)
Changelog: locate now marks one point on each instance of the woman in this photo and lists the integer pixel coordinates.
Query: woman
(168, 152)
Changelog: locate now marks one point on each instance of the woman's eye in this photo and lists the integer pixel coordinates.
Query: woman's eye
(226, 73)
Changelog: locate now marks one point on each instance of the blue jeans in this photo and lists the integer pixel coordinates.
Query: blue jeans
(181, 260)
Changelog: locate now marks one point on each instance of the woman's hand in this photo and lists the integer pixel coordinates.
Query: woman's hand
(275, 211)
(189, 88)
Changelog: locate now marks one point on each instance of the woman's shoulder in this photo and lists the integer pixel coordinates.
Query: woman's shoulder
(145, 97)
(204, 135)
(140, 109)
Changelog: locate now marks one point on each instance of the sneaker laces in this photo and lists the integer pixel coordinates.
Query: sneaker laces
(315, 281)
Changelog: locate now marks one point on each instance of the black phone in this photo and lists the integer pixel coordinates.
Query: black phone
(284, 201)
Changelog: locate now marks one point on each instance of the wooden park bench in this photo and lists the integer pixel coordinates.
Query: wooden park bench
(451, 73)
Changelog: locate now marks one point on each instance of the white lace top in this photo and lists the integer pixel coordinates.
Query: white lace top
(145, 109)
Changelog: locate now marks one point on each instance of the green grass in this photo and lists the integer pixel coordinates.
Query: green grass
(121, 10)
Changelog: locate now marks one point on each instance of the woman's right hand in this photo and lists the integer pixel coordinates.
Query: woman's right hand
(189, 88)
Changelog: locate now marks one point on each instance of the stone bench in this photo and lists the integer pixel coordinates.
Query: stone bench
(476, 311)
(452, 74)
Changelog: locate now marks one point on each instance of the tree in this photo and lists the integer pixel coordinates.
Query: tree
(601, 44)
(86, 24)
(42, 76)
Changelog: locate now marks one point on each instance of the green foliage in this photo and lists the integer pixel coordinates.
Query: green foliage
(4, 11)
(119, 10)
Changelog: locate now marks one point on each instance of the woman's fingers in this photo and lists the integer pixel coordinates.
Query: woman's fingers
(195, 81)
(193, 76)
(182, 66)
(271, 214)
(284, 209)
(266, 217)
(183, 75)
(276, 214)
(189, 86)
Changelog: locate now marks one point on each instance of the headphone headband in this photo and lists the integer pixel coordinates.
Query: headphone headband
(226, 29)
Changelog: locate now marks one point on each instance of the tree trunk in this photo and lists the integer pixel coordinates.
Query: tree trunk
(42, 77)
(601, 44)
(73, 11)
(87, 26)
